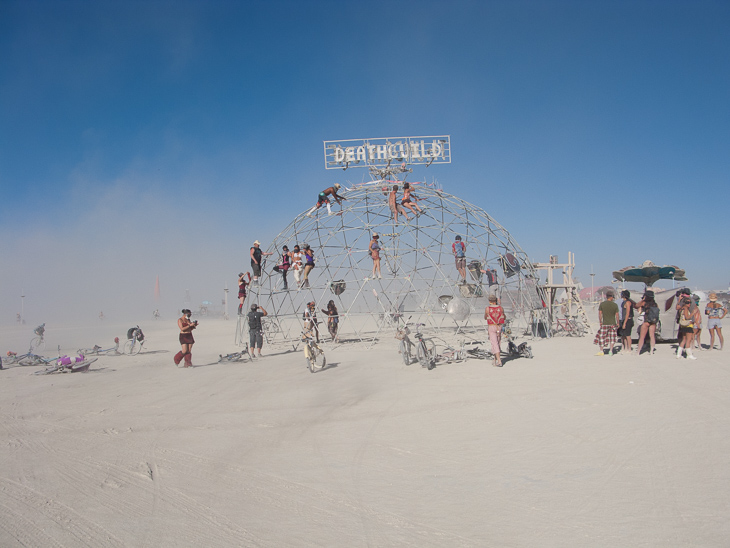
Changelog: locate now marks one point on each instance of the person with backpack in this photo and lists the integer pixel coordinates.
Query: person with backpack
(608, 317)
(650, 311)
(627, 320)
(459, 250)
(255, 329)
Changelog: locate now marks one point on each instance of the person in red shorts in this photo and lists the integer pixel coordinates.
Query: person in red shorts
(186, 338)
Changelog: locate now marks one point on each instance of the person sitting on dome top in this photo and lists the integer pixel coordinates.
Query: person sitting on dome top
(409, 200)
(323, 199)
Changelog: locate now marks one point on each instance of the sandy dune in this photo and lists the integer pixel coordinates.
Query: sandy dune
(566, 449)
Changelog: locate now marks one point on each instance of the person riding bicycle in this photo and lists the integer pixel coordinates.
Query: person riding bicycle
(40, 330)
(308, 335)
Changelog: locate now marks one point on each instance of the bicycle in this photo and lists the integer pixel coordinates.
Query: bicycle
(569, 326)
(313, 353)
(425, 349)
(28, 358)
(404, 348)
(235, 356)
(135, 340)
(98, 351)
(450, 353)
(67, 364)
(39, 342)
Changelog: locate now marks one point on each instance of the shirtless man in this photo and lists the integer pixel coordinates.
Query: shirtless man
(395, 207)
(323, 199)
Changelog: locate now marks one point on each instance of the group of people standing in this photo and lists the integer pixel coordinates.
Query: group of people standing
(619, 322)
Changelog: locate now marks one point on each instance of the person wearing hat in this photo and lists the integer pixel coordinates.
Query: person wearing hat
(255, 328)
(494, 314)
(242, 289)
(256, 257)
(186, 338)
(374, 251)
(323, 198)
(715, 312)
(608, 318)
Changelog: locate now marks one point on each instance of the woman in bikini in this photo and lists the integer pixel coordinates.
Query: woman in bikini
(375, 254)
(407, 202)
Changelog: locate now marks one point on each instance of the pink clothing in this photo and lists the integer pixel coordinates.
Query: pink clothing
(495, 337)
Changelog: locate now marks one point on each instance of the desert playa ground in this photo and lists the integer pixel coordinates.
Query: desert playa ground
(566, 449)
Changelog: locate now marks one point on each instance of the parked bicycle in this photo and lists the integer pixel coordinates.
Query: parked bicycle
(38, 342)
(235, 356)
(28, 358)
(569, 326)
(135, 341)
(99, 351)
(68, 364)
(447, 353)
(425, 348)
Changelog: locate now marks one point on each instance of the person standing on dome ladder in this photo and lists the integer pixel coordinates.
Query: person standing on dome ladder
(374, 250)
(323, 198)
(459, 249)
(242, 289)
(284, 266)
(256, 257)
(296, 265)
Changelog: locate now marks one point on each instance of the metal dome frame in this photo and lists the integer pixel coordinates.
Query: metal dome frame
(420, 281)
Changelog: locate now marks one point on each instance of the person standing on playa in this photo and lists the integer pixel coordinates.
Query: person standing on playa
(323, 198)
(715, 313)
(374, 251)
(308, 259)
(333, 319)
(608, 318)
(698, 321)
(459, 250)
(494, 314)
(296, 265)
(186, 338)
(242, 289)
(256, 257)
(650, 312)
(407, 201)
(255, 328)
(686, 327)
(627, 319)
(396, 208)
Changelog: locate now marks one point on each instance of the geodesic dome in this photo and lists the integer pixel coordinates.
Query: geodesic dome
(420, 281)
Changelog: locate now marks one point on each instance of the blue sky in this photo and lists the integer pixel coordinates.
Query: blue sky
(161, 138)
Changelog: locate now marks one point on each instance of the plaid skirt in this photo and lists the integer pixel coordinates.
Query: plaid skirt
(606, 336)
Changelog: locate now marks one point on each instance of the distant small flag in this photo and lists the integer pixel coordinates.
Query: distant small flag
(157, 288)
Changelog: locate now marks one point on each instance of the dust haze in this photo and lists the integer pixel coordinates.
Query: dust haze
(105, 256)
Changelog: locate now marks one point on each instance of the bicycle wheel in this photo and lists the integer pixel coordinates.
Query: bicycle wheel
(578, 329)
(129, 347)
(424, 355)
(405, 352)
(37, 343)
